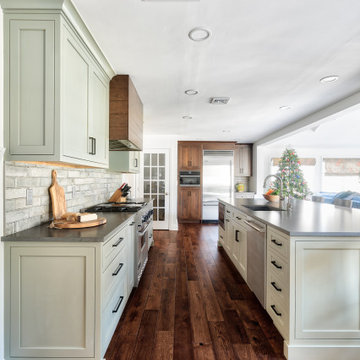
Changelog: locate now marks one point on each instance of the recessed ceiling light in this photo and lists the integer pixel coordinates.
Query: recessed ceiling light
(330, 78)
(199, 34)
(191, 92)
(187, 117)
(285, 107)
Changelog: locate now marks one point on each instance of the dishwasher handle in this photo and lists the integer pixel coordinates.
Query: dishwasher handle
(254, 227)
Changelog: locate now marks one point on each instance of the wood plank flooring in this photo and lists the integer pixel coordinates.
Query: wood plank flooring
(193, 304)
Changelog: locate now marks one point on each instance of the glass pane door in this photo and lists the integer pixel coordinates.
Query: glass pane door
(156, 185)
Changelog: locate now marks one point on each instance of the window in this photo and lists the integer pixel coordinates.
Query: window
(340, 174)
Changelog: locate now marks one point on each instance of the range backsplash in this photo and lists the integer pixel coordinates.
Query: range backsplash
(90, 186)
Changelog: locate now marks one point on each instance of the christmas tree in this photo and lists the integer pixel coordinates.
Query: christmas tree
(294, 184)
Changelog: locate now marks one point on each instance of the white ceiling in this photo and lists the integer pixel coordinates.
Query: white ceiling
(263, 54)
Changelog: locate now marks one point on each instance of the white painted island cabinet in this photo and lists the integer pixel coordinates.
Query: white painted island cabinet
(64, 298)
(313, 294)
(56, 85)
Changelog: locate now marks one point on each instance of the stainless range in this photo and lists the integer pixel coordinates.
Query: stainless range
(143, 229)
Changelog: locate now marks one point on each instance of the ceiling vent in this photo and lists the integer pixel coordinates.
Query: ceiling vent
(219, 100)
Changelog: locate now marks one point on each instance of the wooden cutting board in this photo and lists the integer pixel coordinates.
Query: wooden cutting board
(71, 224)
(57, 195)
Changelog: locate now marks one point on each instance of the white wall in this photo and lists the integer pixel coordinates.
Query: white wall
(1, 193)
(169, 143)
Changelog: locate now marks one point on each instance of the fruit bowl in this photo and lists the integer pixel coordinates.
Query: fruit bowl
(272, 198)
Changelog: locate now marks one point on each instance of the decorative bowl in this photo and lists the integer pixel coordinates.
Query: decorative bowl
(272, 198)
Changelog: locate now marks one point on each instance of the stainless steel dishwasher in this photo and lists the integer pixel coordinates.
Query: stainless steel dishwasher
(256, 257)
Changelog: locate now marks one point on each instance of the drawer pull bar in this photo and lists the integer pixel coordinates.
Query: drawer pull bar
(273, 283)
(276, 265)
(118, 242)
(276, 243)
(227, 220)
(221, 237)
(239, 218)
(132, 223)
(117, 306)
(236, 235)
(275, 311)
(117, 269)
(228, 211)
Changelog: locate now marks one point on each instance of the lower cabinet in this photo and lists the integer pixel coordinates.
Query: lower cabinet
(235, 240)
(64, 299)
(189, 204)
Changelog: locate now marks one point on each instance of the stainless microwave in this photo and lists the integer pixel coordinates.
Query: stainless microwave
(189, 178)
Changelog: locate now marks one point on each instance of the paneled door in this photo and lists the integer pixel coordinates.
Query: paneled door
(156, 185)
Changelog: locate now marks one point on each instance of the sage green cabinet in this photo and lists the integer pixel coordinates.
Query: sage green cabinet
(125, 161)
(56, 86)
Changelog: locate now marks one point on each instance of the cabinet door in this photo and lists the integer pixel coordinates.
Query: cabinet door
(229, 235)
(195, 204)
(75, 90)
(99, 117)
(134, 162)
(240, 249)
(190, 156)
(189, 204)
(242, 160)
(30, 118)
(52, 296)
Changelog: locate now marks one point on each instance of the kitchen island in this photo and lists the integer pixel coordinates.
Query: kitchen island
(312, 272)
(66, 289)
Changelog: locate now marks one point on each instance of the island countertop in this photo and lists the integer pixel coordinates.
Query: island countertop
(306, 218)
(94, 234)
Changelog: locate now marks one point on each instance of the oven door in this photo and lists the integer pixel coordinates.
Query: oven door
(143, 248)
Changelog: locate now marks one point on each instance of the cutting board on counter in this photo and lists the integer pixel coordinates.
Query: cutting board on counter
(57, 195)
(72, 224)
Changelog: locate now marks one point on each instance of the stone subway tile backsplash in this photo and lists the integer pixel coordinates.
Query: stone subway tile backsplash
(90, 186)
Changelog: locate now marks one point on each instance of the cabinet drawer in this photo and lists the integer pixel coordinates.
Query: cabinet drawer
(277, 266)
(278, 288)
(112, 312)
(115, 270)
(113, 246)
(279, 314)
(239, 217)
(278, 242)
(229, 212)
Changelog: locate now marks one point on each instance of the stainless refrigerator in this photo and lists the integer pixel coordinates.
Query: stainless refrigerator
(218, 174)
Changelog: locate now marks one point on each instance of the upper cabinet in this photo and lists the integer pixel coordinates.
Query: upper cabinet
(189, 156)
(126, 115)
(243, 160)
(56, 86)
(125, 161)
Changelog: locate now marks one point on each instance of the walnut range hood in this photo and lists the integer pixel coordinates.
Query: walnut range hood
(126, 115)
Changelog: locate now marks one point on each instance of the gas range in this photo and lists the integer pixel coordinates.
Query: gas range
(116, 207)
(143, 228)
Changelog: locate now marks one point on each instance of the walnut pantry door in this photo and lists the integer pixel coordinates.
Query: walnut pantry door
(156, 185)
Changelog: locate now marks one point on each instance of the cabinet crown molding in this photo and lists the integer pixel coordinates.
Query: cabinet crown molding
(69, 11)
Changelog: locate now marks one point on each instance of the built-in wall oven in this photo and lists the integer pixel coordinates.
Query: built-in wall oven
(221, 215)
(189, 178)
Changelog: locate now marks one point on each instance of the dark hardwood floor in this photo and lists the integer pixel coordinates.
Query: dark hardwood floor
(193, 304)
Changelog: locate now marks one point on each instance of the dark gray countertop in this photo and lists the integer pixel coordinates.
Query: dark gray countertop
(306, 218)
(95, 234)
